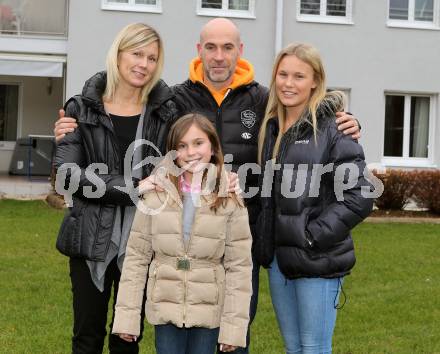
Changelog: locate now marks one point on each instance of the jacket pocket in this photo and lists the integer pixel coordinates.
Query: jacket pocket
(99, 220)
(69, 237)
(217, 287)
(219, 279)
(151, 284)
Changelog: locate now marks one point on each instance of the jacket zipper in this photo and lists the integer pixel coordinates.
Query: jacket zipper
(281, 157)
(115, 146)
(184, 297)
(185, 256)
(219, 124)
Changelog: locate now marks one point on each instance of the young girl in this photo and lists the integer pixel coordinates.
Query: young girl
(304, 232)
(197, 255)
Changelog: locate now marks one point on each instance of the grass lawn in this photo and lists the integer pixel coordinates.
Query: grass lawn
(393, 303)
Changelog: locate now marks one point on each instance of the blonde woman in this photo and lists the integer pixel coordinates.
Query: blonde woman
(127, 102)
(304, 231)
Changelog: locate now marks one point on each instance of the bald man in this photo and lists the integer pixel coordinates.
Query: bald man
(221, 86)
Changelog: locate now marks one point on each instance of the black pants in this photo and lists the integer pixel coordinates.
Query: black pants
(90, 308)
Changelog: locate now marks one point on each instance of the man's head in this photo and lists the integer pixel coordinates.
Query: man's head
(219, 49)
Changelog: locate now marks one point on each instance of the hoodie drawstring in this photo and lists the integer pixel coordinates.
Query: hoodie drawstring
(338, 304)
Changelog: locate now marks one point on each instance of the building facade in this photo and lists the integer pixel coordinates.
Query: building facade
(382, 53)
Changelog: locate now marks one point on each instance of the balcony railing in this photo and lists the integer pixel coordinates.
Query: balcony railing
(34, 18)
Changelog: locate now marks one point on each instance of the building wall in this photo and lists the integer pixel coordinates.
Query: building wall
(91, 31)
(370, 58)
(38, 109)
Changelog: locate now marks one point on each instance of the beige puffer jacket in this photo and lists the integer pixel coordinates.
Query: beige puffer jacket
(214, 292)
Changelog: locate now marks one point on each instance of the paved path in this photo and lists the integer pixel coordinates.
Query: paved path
(21, 187)
(403, 220)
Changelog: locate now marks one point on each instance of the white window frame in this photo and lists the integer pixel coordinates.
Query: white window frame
(7, 145)
(225, 12)
(411, 23)
(323, 18)
(405, 160)
(131, 6)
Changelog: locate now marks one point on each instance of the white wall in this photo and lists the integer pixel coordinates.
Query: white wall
(91, 31)
(367, 57)
(371, 58)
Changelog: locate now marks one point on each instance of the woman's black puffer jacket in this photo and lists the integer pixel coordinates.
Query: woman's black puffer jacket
(314, 204)
(87, 227)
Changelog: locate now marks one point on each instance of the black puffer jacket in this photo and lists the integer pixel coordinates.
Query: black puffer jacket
(87, 227)
(237, 120)
(309, 230)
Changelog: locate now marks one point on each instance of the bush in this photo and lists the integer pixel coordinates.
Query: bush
(398, 187)
(426, 189)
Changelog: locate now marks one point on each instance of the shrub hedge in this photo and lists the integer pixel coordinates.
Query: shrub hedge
(426, 189)
(400, 186)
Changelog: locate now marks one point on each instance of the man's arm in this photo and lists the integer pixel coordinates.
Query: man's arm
(63, 125)
(348, 124)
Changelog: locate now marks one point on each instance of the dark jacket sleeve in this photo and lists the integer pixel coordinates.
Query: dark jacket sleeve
(182, 104)
(263, 246)
(347, 179)
(70, 150)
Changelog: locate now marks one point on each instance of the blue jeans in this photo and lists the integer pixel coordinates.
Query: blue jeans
(195, 340)
(305, 311)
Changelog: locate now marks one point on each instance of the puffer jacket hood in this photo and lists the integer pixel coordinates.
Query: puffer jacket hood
(244, 72)
(94, 89)
(243, 75)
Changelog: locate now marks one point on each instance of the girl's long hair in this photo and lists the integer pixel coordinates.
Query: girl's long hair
(131, 37)
(178, 130)
(275, 109)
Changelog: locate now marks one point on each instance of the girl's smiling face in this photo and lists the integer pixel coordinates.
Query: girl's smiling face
(194, 151)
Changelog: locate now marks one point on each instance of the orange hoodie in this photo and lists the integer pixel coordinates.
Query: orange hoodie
(244, 74)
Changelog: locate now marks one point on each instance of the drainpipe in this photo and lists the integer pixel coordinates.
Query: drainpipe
(279, 26)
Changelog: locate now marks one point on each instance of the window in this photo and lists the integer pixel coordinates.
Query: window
(414, 13)
(328, 11)
(226, 8)
(408, 123)
(8, 114)
(133, 5)
(35, 18)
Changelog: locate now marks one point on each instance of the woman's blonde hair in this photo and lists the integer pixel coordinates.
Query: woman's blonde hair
(179, 129)
(310, 55)
(132, 36)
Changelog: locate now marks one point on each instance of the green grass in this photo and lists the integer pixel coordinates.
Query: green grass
(393, 293)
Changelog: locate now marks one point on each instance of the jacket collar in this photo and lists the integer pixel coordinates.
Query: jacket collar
(168, 167)
(94, 88)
